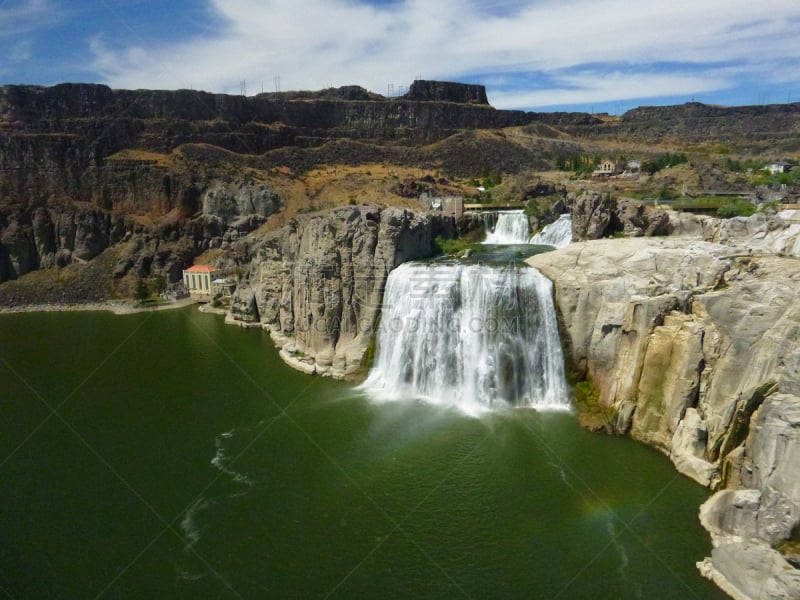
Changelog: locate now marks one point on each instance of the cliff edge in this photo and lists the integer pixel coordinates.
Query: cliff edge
(317, 284)
(693, 347)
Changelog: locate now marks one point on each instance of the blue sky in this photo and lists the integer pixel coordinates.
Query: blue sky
(601, 55)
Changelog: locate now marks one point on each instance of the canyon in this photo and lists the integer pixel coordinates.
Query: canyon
(684, 328)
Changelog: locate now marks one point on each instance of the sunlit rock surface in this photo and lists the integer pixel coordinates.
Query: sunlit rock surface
(694, 347)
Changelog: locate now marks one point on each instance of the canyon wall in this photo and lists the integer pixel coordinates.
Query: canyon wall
(148, 245)
(693, 347)
(84, 167)
(317, 284)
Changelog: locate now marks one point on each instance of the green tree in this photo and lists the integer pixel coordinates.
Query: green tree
(159, 284)
(736, 207)
(142, 291)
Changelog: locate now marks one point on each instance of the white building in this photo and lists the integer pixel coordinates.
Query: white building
(777, 168)
(607, 168)
(223, 287)
(197, 280)
(452, 206)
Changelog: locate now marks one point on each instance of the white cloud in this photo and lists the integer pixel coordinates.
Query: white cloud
(336, 42)
(19, 18)
(588, 87)
(20, 52)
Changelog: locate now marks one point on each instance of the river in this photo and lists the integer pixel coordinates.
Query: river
(167, 455)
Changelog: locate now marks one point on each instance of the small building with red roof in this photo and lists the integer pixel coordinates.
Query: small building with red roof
(197, 280)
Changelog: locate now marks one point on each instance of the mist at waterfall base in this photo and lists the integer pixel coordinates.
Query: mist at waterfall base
(472, 336)
(185, 460)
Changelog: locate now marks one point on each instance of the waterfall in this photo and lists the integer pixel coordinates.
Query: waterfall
(558, 233)
(511, 228)
(476, 336)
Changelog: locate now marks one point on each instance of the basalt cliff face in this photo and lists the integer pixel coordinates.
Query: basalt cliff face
(84, 167)
(317, 284)
(775, 124)
(693, 347)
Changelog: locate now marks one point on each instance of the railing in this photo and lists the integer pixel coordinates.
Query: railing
(494, 206)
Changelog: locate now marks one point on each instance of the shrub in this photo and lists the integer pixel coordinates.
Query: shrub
(736, 207)
(667, 160)
(453, 247)
(667, 193)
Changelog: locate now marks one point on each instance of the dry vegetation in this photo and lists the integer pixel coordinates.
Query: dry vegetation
(340, 185)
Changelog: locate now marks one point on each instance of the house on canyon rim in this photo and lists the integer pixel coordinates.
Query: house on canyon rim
(607, 168)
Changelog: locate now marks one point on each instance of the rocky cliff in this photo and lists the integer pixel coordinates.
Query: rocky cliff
(147, 245)
(111, 164)
(84, 167)
(162, 120)
(776, 125)
(693, 347)
(317, 284)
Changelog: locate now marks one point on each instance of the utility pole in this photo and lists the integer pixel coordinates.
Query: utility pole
(243, 87)
(277, 83)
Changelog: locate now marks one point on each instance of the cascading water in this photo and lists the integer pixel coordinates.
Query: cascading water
(476, 336)
(557, 234)
(511, 227)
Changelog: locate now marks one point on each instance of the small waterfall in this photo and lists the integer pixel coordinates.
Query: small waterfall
(557, 234)
(475, 336)
(489, 221)
(512, 227)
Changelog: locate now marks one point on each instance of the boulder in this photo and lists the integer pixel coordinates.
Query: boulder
(751, 571)
(592, 213)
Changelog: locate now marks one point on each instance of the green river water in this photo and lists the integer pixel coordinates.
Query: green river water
(167, 455)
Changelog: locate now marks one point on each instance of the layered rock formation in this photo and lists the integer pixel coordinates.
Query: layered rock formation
(694, 348)
(83, 167)
(447, 91)
(696, 122)
(44, 236)
(317, 284)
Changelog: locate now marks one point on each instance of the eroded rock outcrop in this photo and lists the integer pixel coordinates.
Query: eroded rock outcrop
(317, 284)
(162, 243)
(694, 348)
(239, 202)
(592, 215)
